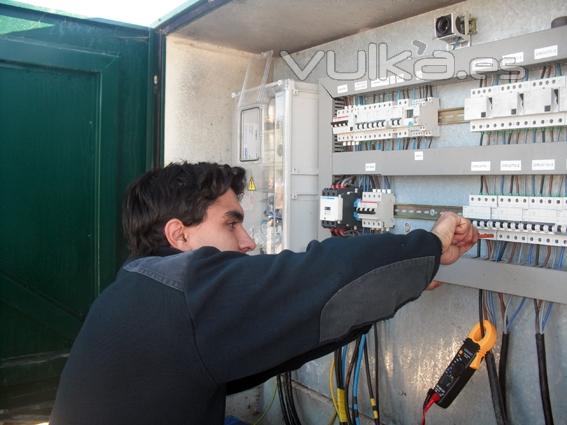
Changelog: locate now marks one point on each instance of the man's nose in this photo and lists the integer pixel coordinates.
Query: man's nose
(246, 243)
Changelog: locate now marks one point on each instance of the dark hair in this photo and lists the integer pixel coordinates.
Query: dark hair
(180, 190)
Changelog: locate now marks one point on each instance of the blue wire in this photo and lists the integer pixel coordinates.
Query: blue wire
(501, 252)
(344, 359)
(515, 314)
(546, 316)
(530, 255)
(357, 369)
(491, 307)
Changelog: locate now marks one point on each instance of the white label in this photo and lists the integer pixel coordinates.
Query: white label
(361, 85)
(510, 165)
(543, 164)
(379, 83)
(480, 165)
(418, 156)
(343, 88)
(513, 58)
(545, 52)
(370, 166)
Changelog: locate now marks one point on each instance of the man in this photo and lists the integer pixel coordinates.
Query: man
(191, 317)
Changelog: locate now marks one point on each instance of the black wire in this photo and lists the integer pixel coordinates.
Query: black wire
(502, 363)
(338, 368)
(376, 370)
(350, 418)
(282, 401)
(497, 402)
(291, 402)
(481, 311)
(369, 380)
(543, 383)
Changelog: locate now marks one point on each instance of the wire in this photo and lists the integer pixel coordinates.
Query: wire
(340, 389)
(331, 387)
(291, 402)
(285, 413)
(497, 401)
(543, 383)
(356, 380)
(430, 400)
(375, 412)
(348, 379)
(376, 368)
(502, 366)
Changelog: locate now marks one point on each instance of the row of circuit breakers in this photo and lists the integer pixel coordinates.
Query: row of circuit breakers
(523, 219)
(522, 104)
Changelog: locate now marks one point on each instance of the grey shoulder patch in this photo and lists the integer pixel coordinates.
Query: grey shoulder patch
(374, 296)
(169, 270)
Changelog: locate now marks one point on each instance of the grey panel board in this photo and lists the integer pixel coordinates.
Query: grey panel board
(451, 161)
(524, 45)
(531, 282)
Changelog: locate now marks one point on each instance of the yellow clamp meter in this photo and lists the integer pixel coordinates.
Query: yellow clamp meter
(465, 363)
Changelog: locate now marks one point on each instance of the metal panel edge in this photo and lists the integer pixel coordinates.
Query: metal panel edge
(531, 282)
(325, 135)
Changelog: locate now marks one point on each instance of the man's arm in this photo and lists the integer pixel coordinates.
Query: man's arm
(252, 313)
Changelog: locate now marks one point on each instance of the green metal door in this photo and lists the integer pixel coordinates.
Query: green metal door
(68, 112)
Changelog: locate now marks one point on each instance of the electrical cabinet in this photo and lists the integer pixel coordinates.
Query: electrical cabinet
(276, 142)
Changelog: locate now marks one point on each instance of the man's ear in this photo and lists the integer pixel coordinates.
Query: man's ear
(176, 234)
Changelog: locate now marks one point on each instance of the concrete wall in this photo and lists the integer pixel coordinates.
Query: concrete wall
(199, 109)
(420, 341)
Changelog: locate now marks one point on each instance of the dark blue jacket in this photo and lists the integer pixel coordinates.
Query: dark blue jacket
(174, 334)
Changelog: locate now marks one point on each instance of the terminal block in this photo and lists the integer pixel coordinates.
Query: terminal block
(337, 208)
(523, 104)
(525, 219)
(376, 209)
(404, 118)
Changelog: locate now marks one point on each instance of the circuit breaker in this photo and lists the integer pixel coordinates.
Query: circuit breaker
(519, 105)
(534, 220)
(376, 209)
(404, 118)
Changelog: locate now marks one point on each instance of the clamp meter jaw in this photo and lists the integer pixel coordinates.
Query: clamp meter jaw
(465, 363)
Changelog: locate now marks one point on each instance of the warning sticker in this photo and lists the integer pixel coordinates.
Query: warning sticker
(251, 185)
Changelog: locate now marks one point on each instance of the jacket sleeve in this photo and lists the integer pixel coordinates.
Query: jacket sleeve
(252, 313)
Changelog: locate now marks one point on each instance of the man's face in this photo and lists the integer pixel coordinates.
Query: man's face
(222, 227)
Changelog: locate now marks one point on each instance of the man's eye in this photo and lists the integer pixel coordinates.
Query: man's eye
(233, 224)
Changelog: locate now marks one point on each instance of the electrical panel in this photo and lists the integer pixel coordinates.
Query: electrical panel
(519, 105)
(383, 136)
(404, 118)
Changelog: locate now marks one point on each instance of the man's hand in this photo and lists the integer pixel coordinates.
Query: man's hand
(457, 235)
